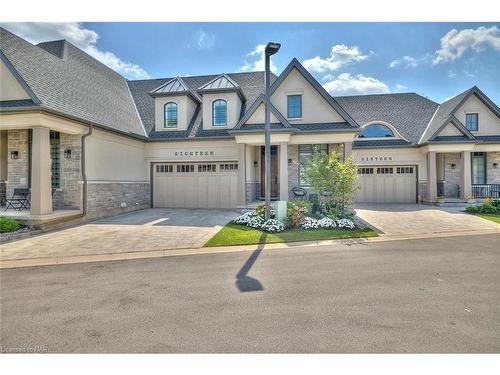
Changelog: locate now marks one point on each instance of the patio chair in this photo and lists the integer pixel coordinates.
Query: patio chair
(20, 200)
(299, 192)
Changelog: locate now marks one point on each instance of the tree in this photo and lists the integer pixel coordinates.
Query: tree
(334, 179)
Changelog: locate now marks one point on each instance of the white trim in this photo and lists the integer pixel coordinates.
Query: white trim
(116, 182)
(427, 127)
(397, 135)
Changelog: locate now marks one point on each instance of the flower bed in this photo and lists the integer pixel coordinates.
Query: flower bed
(490, 206)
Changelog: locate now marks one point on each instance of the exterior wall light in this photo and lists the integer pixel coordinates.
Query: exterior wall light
(255, 163)
(67, 153)
(14, 155)
(453, 165)
(495, 165)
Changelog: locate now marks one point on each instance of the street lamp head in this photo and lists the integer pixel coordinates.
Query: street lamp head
(272, 48)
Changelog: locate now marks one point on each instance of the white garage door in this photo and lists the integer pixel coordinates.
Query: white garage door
(195, 185)
(395, 184)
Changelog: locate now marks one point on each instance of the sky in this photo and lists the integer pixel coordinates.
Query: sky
(436, 60)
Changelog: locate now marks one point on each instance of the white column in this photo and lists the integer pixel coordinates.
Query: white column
(431, 177)
(283, 172)
(347, 149)
(41, 187)
(465, 174)
(241, 174)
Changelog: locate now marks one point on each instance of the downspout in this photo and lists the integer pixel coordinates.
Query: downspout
(84, 174)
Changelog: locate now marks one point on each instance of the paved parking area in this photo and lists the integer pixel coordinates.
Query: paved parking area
(145, 230)
(400, 219)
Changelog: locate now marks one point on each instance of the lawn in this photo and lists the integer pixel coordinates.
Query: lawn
(491, 217)
(234, 234)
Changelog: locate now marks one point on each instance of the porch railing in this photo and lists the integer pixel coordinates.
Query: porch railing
(486, 190)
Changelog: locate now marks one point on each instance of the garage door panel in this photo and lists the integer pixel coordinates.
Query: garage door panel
(386, 184)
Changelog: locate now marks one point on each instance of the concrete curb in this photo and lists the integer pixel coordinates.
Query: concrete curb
(35, 262)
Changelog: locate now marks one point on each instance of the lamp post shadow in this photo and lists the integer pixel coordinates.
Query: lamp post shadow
(246, 283)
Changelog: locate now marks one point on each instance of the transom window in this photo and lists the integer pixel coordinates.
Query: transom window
(170, 115)
(206, 168)
(164, 168)
(364, 170)
(376, 131)
(219, 113)
(228, 167)
(404, 170)
(472, 121)
(385, 170)
(185, 168)
(294, 106)
(305, 153)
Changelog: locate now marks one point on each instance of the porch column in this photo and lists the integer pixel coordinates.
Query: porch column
(465, 174)
(283, 171)
(41, 187)
(431, 177)
(347, 149)
(241, 174)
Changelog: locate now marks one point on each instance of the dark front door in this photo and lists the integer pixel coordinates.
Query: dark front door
(274, 172)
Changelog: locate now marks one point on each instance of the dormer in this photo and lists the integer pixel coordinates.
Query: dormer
(175, 104)
(222, 101)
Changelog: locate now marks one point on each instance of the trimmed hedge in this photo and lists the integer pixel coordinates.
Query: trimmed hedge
(491, 207)
(8, 225)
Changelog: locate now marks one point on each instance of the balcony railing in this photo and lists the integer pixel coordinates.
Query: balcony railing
(486, 190)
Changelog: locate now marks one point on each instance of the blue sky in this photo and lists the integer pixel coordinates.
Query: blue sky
(437, 60)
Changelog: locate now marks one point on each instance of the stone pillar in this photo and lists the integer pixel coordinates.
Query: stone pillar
(241, 174)
(431, 177)
(41, 187)
(465, 174)
(17, 169)
(347, 149)
(283, 171)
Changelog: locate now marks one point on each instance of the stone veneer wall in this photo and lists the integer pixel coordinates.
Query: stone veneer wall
(69, 196)
(492, 174)
(2, 193)
(451, 175)
(104, 199)
(252, 191)
(17, 169)
(422, 191)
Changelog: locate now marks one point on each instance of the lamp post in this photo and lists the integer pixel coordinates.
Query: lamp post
(270, 50)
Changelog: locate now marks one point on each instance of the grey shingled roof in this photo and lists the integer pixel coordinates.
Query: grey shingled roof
(381, 143)
(76, 85)
(409, 113)
(222, 82)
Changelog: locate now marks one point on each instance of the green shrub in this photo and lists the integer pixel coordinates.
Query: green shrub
(496, 203)
(304, 204)
(295, 214)
(8, 225)
(488, 209)
(472, 209)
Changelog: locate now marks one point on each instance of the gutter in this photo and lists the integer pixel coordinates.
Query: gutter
(84, 174)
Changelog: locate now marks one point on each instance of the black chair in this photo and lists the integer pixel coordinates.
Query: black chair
(20, 200)
(299, 192)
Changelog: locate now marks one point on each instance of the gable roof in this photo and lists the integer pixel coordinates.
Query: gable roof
(260, 100)
(176, 86)
(457, 124)
(76, 85)
(222, 82)
(409, 113)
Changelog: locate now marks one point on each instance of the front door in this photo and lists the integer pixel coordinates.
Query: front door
(274, 172)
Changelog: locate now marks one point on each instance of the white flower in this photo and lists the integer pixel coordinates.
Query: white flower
(273, 225)
(245, 218)
(326, 222)
(310, 223)
(346, 223)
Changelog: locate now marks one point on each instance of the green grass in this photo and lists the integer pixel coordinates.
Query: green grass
(234, 234)
(491, 217)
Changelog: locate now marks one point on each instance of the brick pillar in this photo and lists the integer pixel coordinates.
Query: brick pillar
(41, 187)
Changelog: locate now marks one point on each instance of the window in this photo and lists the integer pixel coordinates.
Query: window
(478, 168)
(404, 170)
(55, 167)
(305, 152)
(376, 131)
(365, 170)
(206, 168)
(228, 167)
(185, 168)
(294, 105)
(385, 171)
(472, 121)
(219, 113)
(170, 115)
(164, 168)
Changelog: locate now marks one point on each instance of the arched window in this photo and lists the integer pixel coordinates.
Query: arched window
(376, 131)
(219, 113)
(170, 115)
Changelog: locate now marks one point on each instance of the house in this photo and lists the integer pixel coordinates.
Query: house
(86, 141)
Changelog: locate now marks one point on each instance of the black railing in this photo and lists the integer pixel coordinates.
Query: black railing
(486, 190)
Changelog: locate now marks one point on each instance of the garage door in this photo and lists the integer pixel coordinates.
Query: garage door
(195, 185)
(396, 184)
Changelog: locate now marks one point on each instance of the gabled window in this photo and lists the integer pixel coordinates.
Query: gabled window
(376, 131)
(170, 115)
(294, 106)
(219, 113)
(472, 121)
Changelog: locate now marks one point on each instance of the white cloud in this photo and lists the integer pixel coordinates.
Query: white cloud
(400, 87)
(347, 84)
(340, 55)
(204, 40)
(259, 64)
(85, 39)
(455, 43)
(407, 61)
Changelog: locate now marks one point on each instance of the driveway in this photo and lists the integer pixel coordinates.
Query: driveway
(145, 230)
(398, 219)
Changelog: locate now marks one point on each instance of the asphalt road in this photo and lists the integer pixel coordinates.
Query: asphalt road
(429, 295)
